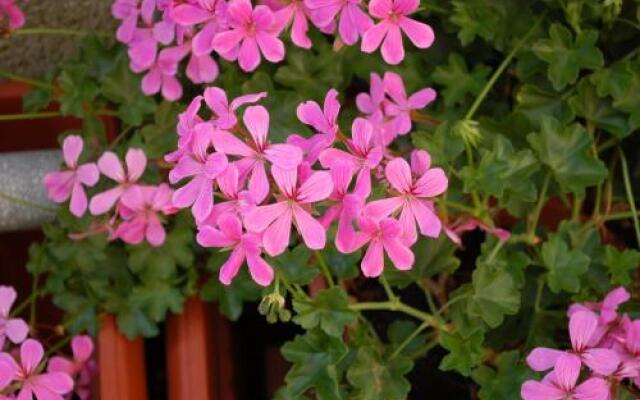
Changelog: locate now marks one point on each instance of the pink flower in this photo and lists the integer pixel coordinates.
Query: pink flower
(370, 103)
(244, 245)
(225, 112)
(393, 14)
(238, 202)
(187, 122)
(162, 76)
(582, 326)
(254, 157)
(141, 209)
(210, 13)
(382, 236)
(364, 155)
(143, 50)
(203, 167)
(295, 11)
(412, 195)
(324, 121)
(13, 328)
(275, 220)
(561, 384)
(44, 386)
(110, 166)
(608, 308)
(470, 224)
(62, 185)
(252, 32)
(400, 108)
(81, 365)
(128, 11)
(352, 20)
(13, 13)
(347, 208)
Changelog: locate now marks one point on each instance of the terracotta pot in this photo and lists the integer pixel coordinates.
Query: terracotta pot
(121, 364)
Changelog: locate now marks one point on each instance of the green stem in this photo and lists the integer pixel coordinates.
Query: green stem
(387, 288)
(325, 268)
(630, 196)
(19, 78)
(295, 291)
(408, 340)
(53, 349)
(27, 203)
(32, 303)
(56, 31)
(505, 63)
(452, 302)
(25, 116)
(495, 251)
(457, 206)
(399, 307)
(541, 201)
(619, 216)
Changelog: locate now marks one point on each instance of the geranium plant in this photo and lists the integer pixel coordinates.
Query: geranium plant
(390, 190)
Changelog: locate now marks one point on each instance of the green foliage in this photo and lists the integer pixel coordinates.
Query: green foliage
(465, 352)
(564, 266)
(329, 310)
(376, 377)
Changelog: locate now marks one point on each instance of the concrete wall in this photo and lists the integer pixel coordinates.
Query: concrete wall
(33, 55)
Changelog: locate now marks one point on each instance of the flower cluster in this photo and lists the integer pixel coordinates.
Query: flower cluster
(603, 342)
(161, 34)
(306, 183)
(138, 209)
(14, 16)
(25, 372)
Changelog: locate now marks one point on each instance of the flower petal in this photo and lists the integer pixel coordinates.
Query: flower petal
(373, 260)
(317, 187)
(71, 149)
(110, 165)
(260, 271)
(312, 232)
(398, 174)
(276, 236)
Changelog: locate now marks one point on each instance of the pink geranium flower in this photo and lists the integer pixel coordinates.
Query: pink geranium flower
(252, 32)
(62, 185)
(239, 202)
(275, 220)
(461, 226)
(225, 112)
(203, 167)
(141, 210)
(372, 102)
(293, 12)
(561, 384)
(210, 13)
(383, 236)
(582, 326)
(323, 120)
(246, 246)
(110, 166)
(393, 14)
(364, 154)
(254, 156)
(15, 329)
(400, 108)
(81, 366)
(44, 386)
(129, 11)
(162, 75)
(412, 199)
(13, 13)
(352, 20)
(187, 122)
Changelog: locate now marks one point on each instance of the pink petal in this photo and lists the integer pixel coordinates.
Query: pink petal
(394, 87)
(392, 49)
(88, 174)
(372, 38)
(533, 390)
(231, 226)
(420, 162)
(110, 165)
(78, 204)
(299, 30)
(601, 361)
(276, 236)
(171, 88)
(427, 220)
(228, 143)
(379, 209)
(380, 8)
(272, 48)
(215, 165)
(103, 202)
(187, 14)
(204, 201)
(202, 69)
(185, 167)
(247, 99)
(260, 271)
(231, 267)
(581, 327)
(593, 389)
(309, 113)
(16, 330)
(422, 98)
(225, 42)
(420, 34)
(209, 236)
(31, 353)
(317, 187)
(542, 358)
(152, 82)
(258, 183)
(567, 371)
(400, 255)
(7, 370)
(407, 222)
(373, 260)
(398, 174)
(7, 298)
(186, 195)
(228, 181)
(310, 229)
(71, 149)
(154, 232)
(256, 119)
(56, 382)
(203, 42)
(331, 156)
(249, 55)
(286, 179)
(61, 364)
(59, 185)
(259, 218)
(82, 347)
(284, 156)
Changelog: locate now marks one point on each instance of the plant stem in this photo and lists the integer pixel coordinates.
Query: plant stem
(56, 31)
(26, 116)
(325, 268)
(53, 349)
(295, 292)
(618, 216)
(18, 78)
(452, 302)
(387, 288)
(505, 63)
(457, 206)
(32, 302)
(400, 307)
(408, 340)
(27, 203)
(630, 196)
(541, 202)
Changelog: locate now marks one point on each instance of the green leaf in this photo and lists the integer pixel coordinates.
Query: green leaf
(504, 382)
(343, 266)
(567, 151)
(622, 264)
(329, 310)
(159, 137)
(444, 144)
(621, 81)
(566, 56)
(156, 298)
(294, 265)
(376, 377)
(399, 331)
(458, 81)
(133, 322)
(465, 353)
(565, 266)
(536, 103)
(315, 357)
